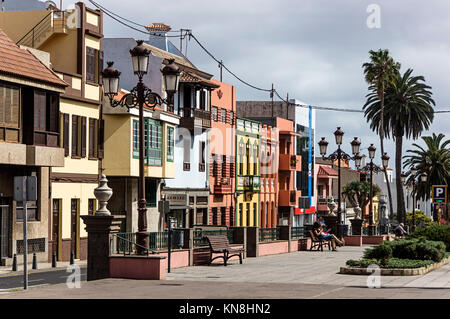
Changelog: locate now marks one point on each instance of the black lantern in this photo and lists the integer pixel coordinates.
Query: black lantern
(171, 76)
(355, 145)
(385, 160)
(323, 146)
(110, 77)
(338, 134)
(413, 171)
(403, 177)
(139, 57)
(372, 150)
(358, 159)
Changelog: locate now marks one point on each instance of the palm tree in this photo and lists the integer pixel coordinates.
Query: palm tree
(378, 74)
(433, 161)
(408, 112)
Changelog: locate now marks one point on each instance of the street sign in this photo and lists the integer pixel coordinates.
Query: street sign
(31, 188)
(163, 206)
(439, 194)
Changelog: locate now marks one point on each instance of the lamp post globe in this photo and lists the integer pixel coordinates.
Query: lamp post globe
(139, 57)
(358, 159)
(403, 177)
(385, 160)
(372, 150)
(355, 145)
(413, 171)
(110, 76)
(323, 146)
(423, 177)
(339, 134)
(171, 77)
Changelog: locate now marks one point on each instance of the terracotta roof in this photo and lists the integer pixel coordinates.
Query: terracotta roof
(326, 170)
(22, 63)
(158, 26)
(189, 77)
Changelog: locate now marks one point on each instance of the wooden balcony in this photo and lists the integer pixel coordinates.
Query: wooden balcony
(290, 162)
(195, 118)
(222, 186)
(288, 197)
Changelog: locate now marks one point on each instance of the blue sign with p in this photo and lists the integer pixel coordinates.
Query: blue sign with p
(439, 194)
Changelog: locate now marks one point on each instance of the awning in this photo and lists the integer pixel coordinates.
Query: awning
(310, 210)
(298, 211)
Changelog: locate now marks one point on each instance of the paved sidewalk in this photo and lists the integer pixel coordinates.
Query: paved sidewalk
(7, 270)
(296, 275)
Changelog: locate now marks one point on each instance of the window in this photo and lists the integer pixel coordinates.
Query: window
(223, 115)
(9, 113)
(170, 143)
(231, 118)
(78, 136)
(186, 140)
(75, 137)
(154, 146)
(201, 160)
(94, 65)
(202, 100)
(32, 211)
(214, 113)
(40, 108)
(65, 133)
(135, 139)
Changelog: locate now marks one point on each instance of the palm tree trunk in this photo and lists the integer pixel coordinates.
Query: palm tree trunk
(388, 185)
(401, 213)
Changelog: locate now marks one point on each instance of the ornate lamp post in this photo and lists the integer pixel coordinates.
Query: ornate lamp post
(414, 183)
(371, 167)
(339, 155)
(141, 96)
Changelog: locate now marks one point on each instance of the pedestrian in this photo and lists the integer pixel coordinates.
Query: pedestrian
(400, 231)
(318, 231)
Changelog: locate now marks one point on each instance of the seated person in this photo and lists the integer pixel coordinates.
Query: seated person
(400, 231)
(318, 231)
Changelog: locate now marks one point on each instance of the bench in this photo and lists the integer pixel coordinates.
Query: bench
(220, 244)
(318, 242)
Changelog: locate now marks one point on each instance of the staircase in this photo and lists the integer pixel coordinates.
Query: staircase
(53, 23)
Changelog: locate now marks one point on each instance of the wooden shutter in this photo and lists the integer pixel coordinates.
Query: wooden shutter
(53, 112)
(74, 135)
(91, 137)
(83, 136)
(2, 104)
(66, 135)
(99, 67)
(90, 64)
(40, 110)
(101, 130)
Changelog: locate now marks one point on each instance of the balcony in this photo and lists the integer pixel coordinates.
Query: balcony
(249, 183)
(288, 197)
(222, 186)
(51, 24)
(290, 162)
(322, 203)
(195, 118)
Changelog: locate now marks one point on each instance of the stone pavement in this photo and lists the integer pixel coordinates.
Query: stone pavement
(296, 275)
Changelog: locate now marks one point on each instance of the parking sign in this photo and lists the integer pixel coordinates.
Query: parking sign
(439, 194)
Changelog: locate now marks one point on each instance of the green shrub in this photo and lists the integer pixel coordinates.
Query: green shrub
(381, 252)
(435, 233)
(393, 263)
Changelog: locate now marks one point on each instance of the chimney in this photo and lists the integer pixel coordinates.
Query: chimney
(158, 32)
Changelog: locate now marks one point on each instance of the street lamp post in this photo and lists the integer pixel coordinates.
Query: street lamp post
(414, 183)
(371, 167)
(141, 96)
(339, 155)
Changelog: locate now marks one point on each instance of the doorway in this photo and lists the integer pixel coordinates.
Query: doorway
(75, 227)
(4, 230)
(56, 228)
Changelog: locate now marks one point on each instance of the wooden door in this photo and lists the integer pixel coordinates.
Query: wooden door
(56, 228)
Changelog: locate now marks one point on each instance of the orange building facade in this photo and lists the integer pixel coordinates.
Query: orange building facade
(222, 150)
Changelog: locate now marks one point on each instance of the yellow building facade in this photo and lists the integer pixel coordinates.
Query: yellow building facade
(247, 211)
(73, 39)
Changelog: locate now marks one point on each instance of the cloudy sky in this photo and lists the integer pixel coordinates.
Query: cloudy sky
(311, 49)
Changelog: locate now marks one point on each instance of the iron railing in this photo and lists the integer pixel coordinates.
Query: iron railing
(269, 234)
(126, 242)
(200, 236)
(297, 232)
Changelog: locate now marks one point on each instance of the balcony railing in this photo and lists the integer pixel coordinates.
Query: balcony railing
(195, 118)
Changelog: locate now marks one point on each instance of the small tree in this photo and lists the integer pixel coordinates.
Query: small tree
(422, 220)
(358, 193)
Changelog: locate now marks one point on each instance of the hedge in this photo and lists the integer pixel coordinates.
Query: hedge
(435, 233)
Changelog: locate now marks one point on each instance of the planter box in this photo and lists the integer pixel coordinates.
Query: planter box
(394, 272)
(372, 240)
(138, 267)
(353, 240)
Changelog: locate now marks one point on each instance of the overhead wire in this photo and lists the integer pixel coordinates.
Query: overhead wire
(188, 33)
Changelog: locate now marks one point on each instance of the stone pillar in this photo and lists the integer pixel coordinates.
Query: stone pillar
(356, 226)
(99, 229)
(285, 234)
(252, 241)
(240, 237)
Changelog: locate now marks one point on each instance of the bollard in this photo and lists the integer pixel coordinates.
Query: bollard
(72, 258)
(34, 261)
(54, 260)
(14, 267)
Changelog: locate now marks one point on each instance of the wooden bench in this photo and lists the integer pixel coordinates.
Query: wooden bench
(318, 242)
(220, 244)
